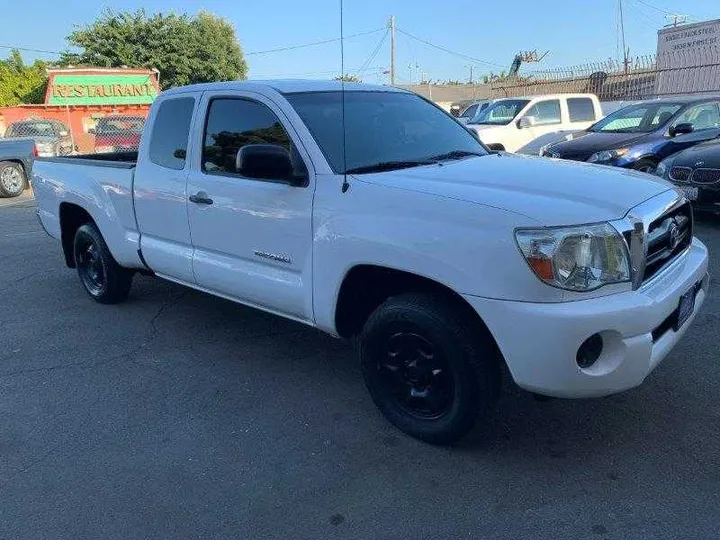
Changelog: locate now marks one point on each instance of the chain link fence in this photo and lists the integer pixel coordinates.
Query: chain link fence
(54, 137)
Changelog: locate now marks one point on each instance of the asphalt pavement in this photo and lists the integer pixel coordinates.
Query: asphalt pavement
(178, 415)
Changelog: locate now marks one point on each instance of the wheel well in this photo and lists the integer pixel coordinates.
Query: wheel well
(72, 217)
(365, 287)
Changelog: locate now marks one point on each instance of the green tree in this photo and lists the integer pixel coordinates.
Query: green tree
(20, 83)
(348, 78)
(185, 49)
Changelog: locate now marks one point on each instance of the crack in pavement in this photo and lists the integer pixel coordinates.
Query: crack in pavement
(26, 277)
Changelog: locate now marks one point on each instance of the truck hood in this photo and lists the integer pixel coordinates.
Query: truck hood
(551, 192)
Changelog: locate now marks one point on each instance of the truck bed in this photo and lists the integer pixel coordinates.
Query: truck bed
(119, 160)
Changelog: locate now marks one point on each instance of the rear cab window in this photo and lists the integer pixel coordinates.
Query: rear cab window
(581, 109)
(171, 131)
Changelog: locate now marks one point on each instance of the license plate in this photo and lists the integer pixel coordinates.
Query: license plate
(691, 193)
(685, 309)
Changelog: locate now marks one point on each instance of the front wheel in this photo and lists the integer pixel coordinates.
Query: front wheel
(12, 179)
(427, 368)
(102, 277)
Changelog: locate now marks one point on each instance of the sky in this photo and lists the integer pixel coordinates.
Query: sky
(487, 33)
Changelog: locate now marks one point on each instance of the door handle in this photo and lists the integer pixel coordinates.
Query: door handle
(201, 198)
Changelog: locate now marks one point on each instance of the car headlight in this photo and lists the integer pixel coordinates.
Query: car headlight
(607, 155)
(544, 149)
(580, 258)
(663, 167)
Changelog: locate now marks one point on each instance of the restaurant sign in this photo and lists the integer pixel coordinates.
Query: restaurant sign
(101, 89)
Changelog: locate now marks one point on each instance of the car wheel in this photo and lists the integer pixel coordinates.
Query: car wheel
(646, 166)
(427, 368)
(12, 179)
(102, 277)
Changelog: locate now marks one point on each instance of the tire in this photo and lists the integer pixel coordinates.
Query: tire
(645, 165)
(427, 368)
(12, 179)
(102, 277)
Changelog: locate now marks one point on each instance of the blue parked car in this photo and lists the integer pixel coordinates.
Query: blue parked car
(641, 135)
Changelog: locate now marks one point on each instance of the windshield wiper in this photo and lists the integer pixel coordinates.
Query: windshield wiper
(456, 154)
(390, 165)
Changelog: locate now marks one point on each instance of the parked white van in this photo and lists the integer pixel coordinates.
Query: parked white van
(510, 123)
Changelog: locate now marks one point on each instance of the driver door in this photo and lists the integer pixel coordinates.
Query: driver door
(548, 118)
(705, 120)
(252, 238)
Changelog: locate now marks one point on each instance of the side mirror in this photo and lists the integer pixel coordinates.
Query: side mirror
(268, 162)
(91, 131)
(681, 129)
(526, 122)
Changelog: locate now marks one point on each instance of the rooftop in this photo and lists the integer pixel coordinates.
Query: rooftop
(287, 86)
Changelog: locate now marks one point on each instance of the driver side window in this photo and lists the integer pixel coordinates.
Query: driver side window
(704, 116)
(233, 123)
(545, 112)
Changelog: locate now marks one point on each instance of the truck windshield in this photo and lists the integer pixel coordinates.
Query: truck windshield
(501, 112)
(384, 130)
(640, 118)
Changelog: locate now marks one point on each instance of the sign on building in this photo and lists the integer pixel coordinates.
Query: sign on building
(688, 58)
(77, 86)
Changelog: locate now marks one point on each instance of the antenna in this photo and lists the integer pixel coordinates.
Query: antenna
(345, 184)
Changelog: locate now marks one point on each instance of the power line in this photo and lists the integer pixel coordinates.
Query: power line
(30, 50)
(303, 45)
(461, 55)
(647, 4)
(375, 52)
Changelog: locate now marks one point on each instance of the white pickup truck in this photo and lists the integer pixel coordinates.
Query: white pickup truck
(446, 261)
(510, 124)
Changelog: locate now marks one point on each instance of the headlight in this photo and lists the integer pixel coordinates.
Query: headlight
(579, 258)
(663, 167)
(544, 148)
(607, 155)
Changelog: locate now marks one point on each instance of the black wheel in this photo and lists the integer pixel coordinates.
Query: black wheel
(645, 165)
(12, 179)
(426, 367)
(103, 278)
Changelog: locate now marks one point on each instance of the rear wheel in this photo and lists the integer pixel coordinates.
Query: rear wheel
(12, 179)
(426, 367)
(102, 277)
(645, 165)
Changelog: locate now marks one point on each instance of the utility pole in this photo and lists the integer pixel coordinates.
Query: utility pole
(622, 32)
(392, 50)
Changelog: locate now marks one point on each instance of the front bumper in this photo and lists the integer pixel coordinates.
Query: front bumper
(540, 341)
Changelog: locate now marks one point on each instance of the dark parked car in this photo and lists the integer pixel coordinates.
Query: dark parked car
(696, 171)
(641, 135)
(52, 138)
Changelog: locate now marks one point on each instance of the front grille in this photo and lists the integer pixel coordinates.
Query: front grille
(706, 176)
(680, 174)
(667, 236)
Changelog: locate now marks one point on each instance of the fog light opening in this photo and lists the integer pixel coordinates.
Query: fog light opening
(589, 351)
